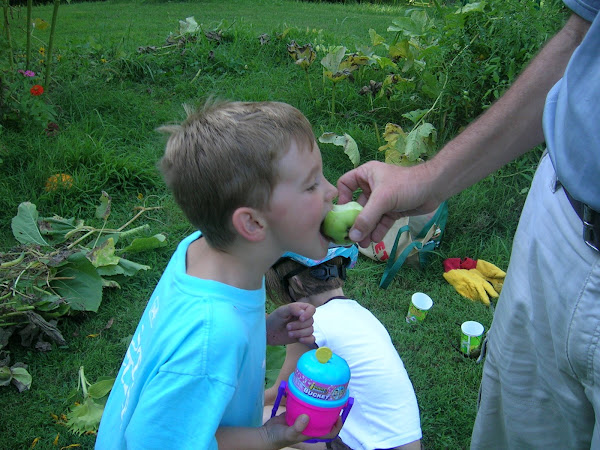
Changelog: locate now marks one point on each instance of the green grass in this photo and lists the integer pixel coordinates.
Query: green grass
(110, 99)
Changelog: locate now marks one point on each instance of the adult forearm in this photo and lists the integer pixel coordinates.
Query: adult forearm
(513, 125)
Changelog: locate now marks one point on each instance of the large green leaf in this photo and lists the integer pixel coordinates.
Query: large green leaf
(471, 7)
(80, 284)
(24, 225)
(145, 244)
(333, 59)
(85, 417)
(346, 141)
(420, 141)
(21, 378)
(125, 267)
(100, 388)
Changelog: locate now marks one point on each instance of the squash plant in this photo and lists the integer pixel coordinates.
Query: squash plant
(61, 268)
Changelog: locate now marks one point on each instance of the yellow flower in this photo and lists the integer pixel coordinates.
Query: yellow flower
(42, 51)
(102, 60)
(140, 196)
(58, 57)
(59, 181)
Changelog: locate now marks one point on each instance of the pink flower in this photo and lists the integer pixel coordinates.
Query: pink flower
(26, 73)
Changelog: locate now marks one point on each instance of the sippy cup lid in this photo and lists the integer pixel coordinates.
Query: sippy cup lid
(321, 378)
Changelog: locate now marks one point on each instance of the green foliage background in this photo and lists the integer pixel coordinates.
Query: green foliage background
(111, 91)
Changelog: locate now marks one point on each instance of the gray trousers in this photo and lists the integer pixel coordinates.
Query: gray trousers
(541, 378)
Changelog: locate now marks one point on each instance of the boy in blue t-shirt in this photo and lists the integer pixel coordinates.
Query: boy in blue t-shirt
(249, 176)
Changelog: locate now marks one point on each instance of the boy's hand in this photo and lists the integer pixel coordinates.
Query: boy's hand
(278, 433)
(291, 323)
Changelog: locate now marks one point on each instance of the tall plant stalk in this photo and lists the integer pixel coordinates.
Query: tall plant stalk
(8, 38)
(29, 31)
(51, 43)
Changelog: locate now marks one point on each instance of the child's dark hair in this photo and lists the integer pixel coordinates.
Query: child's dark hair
(282, 290)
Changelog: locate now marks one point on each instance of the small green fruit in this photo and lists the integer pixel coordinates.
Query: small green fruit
(339, 220)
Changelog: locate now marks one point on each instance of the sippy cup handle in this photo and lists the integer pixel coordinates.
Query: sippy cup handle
(280, 393)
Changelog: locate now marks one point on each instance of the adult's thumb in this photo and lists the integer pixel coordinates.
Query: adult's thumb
(369, 219)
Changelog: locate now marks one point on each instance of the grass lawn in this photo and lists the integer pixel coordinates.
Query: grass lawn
(119, 77)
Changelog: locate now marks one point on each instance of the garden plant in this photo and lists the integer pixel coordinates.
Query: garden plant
(87, 224)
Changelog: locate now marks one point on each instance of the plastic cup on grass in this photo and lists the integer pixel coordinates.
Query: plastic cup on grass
(420, 304)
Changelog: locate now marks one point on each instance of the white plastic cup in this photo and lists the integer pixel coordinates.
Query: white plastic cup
(420, 304)
(472, 333)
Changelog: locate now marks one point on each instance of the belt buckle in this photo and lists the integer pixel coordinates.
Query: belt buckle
(590, 238)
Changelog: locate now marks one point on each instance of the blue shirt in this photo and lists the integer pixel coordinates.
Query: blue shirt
(572, 114)
(196, 362)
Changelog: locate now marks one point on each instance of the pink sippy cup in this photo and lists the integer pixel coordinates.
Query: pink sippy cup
(319, 388)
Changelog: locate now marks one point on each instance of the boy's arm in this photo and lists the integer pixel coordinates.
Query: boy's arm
(274, 434)
(293, 352)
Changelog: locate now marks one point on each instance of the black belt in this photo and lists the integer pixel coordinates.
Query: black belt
(591, 222)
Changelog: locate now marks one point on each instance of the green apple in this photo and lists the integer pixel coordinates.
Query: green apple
(339, 220)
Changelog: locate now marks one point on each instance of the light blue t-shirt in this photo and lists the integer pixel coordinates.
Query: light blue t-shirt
(196, 362)
(572, 114)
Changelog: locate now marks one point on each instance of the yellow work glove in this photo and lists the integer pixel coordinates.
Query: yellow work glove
(491, 273)
(470, 283)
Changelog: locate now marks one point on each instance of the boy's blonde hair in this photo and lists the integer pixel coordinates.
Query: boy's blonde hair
(224, 156)
(301, 285)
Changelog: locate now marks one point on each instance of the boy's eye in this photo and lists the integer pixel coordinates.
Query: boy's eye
(313, 187)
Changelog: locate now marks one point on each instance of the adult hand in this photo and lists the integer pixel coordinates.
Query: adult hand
(388, 192)
(291, 323)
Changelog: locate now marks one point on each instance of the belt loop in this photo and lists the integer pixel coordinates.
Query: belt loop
(588, 227)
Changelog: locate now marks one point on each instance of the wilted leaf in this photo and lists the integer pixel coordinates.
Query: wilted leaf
(145, 244)
(24, 225)
(419, 141)
(407, 26)
(40, 24)
(100, 388)
(302, 55)
(130, 268)
(82, 286)
(400, 49)
(346, 141)
(48, 328)
(103, 209)
(56, 227)
(332, 60)
(112, 284)
(471, 7)
(187, 26)
(21, 378)
(85, 416)
(104, 254)
(415, 116)
(376, 39)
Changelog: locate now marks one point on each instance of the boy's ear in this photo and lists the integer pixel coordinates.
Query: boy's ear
(249, 223)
